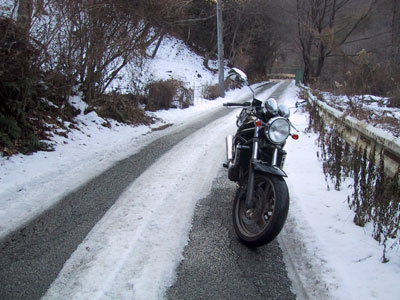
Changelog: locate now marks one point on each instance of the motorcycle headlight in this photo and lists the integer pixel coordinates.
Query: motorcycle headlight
(277, 130)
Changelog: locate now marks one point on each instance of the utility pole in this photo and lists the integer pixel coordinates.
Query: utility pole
(221, 65)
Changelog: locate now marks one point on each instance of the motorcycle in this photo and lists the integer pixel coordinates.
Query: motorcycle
(255, 158)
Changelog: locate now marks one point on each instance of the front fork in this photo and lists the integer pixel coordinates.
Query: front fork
(250, 203)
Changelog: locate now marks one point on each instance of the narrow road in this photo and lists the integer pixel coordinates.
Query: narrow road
(216, 265)
(31, 258)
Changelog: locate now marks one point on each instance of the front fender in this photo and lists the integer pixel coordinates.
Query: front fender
(259, 167)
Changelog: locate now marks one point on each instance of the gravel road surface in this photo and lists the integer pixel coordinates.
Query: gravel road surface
(217, 266)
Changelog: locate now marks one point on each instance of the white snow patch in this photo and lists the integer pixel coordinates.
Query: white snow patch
(331, 255)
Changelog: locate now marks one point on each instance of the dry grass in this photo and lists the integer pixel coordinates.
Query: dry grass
(375, 196)
(122, 108)
(166, 94)
(210, 92)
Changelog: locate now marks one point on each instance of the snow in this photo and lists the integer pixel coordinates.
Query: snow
(7, 7)
(327, 256)
(173, 61)
(376, 110)
(346, 257)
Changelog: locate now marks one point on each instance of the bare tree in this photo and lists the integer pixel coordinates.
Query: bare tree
(324, 26)
(90, 42)
(251, 41)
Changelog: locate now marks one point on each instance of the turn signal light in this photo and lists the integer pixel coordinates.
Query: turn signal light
(295, 136)
(258, 123)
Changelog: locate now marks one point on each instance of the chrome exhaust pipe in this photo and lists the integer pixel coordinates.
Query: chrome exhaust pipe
(229, 144)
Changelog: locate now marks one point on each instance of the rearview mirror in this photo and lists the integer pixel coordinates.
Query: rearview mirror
(237, 75)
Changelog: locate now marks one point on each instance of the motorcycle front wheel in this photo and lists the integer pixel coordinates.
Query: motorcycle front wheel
(260, 225)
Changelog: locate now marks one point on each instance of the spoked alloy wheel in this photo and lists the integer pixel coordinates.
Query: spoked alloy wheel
(260, 225)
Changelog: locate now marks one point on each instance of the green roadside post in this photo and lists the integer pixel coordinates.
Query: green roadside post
(299, 76)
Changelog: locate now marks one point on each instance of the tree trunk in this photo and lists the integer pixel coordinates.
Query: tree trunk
(25, 10)
(396, 33)
(158, 44)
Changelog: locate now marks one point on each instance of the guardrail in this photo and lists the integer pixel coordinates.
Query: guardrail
(359, 133)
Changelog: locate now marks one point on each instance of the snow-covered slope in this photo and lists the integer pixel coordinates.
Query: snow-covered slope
(173, 60)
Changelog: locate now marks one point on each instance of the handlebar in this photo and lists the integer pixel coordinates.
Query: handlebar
(236, 104)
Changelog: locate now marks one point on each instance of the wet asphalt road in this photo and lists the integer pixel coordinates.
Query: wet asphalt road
(217, 266)
(31, 258)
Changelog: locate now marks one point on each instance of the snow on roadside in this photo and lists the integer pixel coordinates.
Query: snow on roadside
(26, 179)
(327, 253)
(373, 110)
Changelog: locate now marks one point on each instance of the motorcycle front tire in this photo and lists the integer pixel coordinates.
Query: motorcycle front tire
(268, 217)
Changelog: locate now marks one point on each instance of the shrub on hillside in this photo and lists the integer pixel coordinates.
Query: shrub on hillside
(210, 92)
(122, 108)
(21, 90)
(30, 99)
(165, 94)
